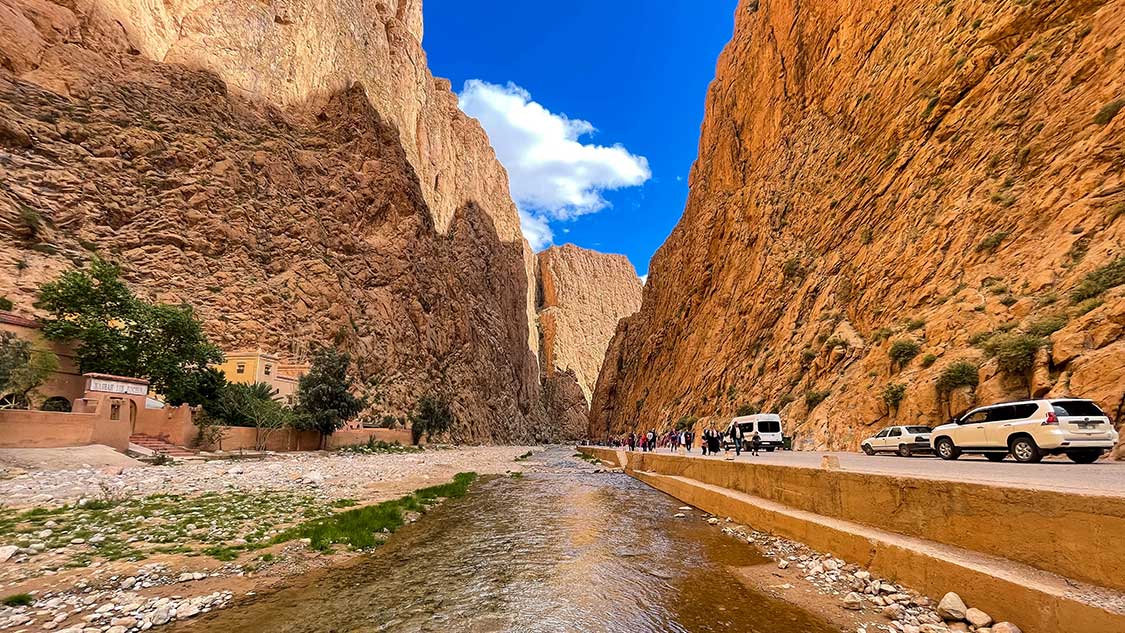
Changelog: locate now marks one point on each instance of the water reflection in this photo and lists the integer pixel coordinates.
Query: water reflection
(559, 550)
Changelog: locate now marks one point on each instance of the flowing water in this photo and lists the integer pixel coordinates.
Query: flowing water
(560, 549)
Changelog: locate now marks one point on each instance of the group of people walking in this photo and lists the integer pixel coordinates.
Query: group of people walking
(711, 441)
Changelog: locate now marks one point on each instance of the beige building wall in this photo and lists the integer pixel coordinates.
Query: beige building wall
(67, 382)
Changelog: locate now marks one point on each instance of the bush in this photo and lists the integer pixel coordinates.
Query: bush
(1109, 111)
(893, 394)
(325, 401)
(6, 304)
(913, 324)
(881, 334)
(813, 398)
(1015, 353)
(746, 409)
(979, 338)
(958, 374)
(928, 359)
(807, 356)
(431, 416)
(1098, 281)
(785, 400)
(1087, 306)
(1046, 326)
(903, 351)
(793, 268)
(992, 242)
(835, 342)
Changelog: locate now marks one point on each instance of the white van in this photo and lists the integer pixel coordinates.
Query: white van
(768, 426)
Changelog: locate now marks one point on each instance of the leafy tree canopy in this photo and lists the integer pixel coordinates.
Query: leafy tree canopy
(23, 369)
(325, 398)
(431, 416)
(118, 333)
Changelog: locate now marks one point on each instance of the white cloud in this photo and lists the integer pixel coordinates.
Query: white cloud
(536, 230)
(552, 174)
(644, 280)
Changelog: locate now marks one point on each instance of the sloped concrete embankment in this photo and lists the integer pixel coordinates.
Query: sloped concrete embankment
(1049, 561)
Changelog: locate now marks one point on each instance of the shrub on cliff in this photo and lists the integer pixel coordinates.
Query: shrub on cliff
(893, 394)
(1015, 353)
(903, 351)
(1046, 326)
(1098, 281)
(813, 398)
(957, 375)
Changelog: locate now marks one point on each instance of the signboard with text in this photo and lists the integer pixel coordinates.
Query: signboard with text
(117, 386)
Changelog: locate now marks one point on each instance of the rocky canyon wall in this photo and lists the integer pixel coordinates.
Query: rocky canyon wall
(884, 190)
(582, 294)
(290, 168)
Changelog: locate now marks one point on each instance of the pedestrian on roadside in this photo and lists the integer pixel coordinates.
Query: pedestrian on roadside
(736, 436)
(704, 441)
(632, 441)
(755, 442)
(714, 441)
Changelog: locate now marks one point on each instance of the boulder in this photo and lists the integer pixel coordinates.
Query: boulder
(977, 618)
(952, 608)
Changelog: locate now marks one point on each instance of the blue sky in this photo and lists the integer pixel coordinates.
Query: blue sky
(594, 107)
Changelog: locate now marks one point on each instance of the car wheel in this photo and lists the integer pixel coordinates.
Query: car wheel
(995, 457)
(946, 450)
(1026, 451)
(867, 449)
(1084, 457)
(769, 449)
(904, 451)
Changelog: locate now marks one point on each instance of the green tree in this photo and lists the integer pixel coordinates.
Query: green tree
(118, 333)
(325, 398)
(431, 416)
(23, 369)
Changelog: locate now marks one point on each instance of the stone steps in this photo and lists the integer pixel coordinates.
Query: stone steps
(158, 445)
(1035, 599)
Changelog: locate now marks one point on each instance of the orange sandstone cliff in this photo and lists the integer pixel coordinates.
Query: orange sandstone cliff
(292, 170)
(582, 295)
(940, 180)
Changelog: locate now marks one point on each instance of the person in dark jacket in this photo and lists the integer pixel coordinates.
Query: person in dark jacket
(736, 437)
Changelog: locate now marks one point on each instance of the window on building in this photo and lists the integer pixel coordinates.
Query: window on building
(240, 369)
(269, 368)
(115, 411)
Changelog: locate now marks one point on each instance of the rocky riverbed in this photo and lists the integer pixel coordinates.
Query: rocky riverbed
(127, 549)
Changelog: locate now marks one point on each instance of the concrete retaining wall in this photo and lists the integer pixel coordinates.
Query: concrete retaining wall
(1076, 536)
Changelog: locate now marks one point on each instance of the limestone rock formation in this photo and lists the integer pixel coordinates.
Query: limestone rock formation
(877, 174)
(582, 295)
(288, 167)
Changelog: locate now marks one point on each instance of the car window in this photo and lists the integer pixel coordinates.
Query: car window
(896, 432)
(1077, 407)
(882, 433)
(918, 429)
(1001, 414)
(976, 417)
(1026, 410)
(769, 426)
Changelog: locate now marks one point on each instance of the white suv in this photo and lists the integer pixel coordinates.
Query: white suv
(1028, 429)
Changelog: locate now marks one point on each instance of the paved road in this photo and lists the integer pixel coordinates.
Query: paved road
(1103, 478)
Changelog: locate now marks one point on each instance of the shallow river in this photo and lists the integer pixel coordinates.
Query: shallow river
(560, 549)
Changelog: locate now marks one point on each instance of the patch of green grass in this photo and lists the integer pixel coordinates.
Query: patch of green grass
(344, 503)
(18, 600)
(1098, 281)
(515, 475)
(1087, 306)
(913, 324)
(378, 447)
(222, 552)
(361, 528)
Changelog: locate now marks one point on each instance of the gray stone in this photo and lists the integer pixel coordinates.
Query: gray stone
(853, 601)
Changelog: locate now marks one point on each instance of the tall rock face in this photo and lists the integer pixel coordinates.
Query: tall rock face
(884, 189)
(582, 294)
(289, 168)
